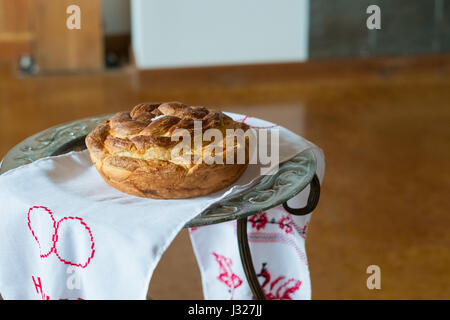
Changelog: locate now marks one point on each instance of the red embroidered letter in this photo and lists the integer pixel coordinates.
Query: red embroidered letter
(38, 285)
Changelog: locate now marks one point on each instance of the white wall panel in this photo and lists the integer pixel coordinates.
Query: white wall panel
(175, 33)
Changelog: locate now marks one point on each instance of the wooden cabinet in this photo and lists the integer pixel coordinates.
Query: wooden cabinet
(38, 28)
(58, 48)
(16, 23)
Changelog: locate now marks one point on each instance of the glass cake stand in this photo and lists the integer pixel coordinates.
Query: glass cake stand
(265, 193)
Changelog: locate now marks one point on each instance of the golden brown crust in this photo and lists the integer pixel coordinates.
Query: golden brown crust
(133, 152)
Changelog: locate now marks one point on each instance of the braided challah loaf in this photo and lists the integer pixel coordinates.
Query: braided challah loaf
(133, 151)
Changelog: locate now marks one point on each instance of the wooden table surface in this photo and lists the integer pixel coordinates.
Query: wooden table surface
(382, 123)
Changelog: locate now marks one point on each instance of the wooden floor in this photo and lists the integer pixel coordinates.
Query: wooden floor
(384, 125)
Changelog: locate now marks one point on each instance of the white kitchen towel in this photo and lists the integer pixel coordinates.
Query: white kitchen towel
(277, 244)
(66, 234)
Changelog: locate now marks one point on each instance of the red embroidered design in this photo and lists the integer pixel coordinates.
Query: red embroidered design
(40, 291)
(277, 237)
(303, 230)
(82, 265)
(279, 288)
(51, 238)
(286, 223)
(259, 220)
(55, 236)
(256, 127)
(227, 276)
(192, 229)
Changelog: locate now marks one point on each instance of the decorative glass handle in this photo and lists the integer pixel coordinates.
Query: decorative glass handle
(313, 199)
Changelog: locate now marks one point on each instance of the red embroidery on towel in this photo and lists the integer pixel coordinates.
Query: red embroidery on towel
(259, 220)
(38, 286)
(279, 288)
(191, 230)
(227, 276)
(256, 127)
(40, 291)
(286, 224)
(302, 230)
(278, 237)
(42, 255)
(80, 220)
(55, 237)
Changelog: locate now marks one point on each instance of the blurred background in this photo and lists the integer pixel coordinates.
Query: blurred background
(377, 101)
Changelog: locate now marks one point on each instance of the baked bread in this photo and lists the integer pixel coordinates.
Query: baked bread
(134, 151)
